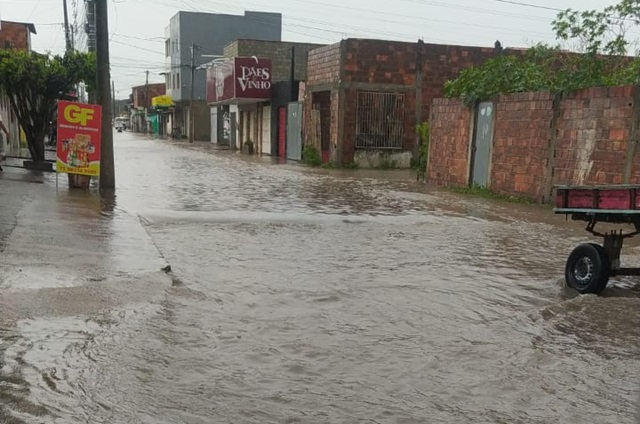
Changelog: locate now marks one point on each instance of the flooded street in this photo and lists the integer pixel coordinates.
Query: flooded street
(298, 296)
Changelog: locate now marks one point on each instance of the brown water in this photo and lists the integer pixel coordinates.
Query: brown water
(301, 296)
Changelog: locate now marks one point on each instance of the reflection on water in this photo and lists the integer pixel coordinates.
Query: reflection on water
(304, 297)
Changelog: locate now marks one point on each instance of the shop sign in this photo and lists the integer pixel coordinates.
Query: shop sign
(79, 137)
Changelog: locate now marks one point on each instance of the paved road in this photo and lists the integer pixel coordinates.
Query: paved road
(297, 296)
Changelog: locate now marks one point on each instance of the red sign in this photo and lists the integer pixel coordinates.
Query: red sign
(240, 78)
(79, 136)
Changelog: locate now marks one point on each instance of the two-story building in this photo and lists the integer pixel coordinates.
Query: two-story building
(141, 97)
(13, 35)
(193, 39)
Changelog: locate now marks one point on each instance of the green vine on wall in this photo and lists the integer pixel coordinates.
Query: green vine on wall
(423, 152)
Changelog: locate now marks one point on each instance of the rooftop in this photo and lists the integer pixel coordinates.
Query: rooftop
(30, 26)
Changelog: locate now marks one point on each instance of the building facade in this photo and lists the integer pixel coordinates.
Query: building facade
(193, 39)
(364, 98)
(141, 97)
(13, 35)
(263, 120)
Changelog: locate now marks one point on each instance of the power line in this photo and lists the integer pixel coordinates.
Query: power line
(533, 6)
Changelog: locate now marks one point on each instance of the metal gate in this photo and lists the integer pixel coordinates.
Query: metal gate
(234, 128)
(282, 132)
(482, 141)
(294, 131)
(266, 131)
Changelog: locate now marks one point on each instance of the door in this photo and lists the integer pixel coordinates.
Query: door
(294, 131)
(214, 125)
(481, 147)
(234, 127)
(282, 132)
(266, 130)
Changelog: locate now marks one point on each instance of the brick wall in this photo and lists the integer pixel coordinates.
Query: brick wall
(279, 53)
(592, 130)
(139, 94)
(522, 136)
(380, 62)
(15, 35)
(449, 145)
(443, 63)
(386, 66)
(324, 65)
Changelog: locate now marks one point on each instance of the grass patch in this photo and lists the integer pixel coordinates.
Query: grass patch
(311, 156)
(486, 193)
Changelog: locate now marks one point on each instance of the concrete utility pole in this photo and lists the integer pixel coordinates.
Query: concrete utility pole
(90, 29)
(67, 35)
(193, 83)
(146, 102)
(113, 98)
(107, 167)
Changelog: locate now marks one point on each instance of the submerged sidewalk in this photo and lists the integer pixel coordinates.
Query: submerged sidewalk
(56, 244)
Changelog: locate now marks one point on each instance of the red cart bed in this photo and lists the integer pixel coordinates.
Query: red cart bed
(590, 266)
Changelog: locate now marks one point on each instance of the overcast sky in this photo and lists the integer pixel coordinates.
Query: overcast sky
(137, 26)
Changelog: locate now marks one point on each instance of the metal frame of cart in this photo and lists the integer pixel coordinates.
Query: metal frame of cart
(590, 265)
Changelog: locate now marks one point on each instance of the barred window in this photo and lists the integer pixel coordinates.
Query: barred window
(380, 120)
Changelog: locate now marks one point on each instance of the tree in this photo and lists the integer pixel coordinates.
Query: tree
(603, 38)
(34, 83)
(600, 31)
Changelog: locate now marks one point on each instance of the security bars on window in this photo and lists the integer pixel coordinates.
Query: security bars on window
(380, 120)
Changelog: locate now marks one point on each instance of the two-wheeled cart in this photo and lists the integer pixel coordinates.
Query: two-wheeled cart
(590, 265)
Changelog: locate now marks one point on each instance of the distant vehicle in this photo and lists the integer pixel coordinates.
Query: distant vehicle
(120, 124)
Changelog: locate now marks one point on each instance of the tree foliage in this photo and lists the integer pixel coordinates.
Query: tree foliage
(603, 43)
(34, 82)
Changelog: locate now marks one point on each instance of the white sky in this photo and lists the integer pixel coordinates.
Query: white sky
(137, 26)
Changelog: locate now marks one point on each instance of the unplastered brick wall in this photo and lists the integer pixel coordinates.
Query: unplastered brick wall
(14, 35)
(324, 65)
(593, 134)
(522, 136)
(380, 62)
(449, 143)
(280, 54)
(445, 62)
(540, 141)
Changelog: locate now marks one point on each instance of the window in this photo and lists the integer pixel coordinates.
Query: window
(178, 80)
(380, 120)
(173, 81)
(167, 48)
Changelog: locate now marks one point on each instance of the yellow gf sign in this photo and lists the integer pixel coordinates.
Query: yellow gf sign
(78, 115)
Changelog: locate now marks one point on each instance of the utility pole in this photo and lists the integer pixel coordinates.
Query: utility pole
(193, 83)
(67, 35)
(146, 103)
(107, 167)
(90, 29)
(113, 98)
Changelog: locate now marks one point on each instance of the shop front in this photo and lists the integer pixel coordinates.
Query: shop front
(159, 117)
(239, 93)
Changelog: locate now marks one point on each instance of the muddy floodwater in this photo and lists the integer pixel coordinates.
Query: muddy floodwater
(298, 296)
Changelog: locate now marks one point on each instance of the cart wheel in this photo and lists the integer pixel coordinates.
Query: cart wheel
(588, 269)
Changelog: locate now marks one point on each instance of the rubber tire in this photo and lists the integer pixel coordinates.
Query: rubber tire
(601, 269)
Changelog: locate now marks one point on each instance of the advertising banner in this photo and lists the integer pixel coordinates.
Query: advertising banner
(79, 136)
(239, 79)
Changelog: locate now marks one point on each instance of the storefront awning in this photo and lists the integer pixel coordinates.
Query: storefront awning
(162, 101)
